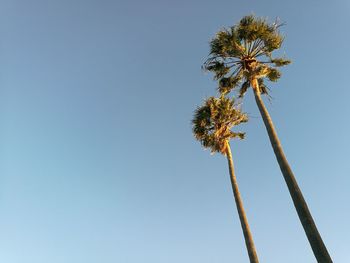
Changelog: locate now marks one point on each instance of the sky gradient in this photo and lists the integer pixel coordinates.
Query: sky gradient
(97, 159)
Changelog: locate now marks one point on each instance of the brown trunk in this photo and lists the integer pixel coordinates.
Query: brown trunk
(239, 203)
(314, 237)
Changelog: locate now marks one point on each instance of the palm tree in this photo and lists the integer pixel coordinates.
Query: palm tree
(212, 125)
(241, 56)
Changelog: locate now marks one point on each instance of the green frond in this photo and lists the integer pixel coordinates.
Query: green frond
(229, 83)
(240, 135)
(273, 41)
(251, 28)
(247, 21)
(244, 89)
(279, 62)
(226, 44)
(263, 88)
(260, 71)
(218, 68)
(273, 74)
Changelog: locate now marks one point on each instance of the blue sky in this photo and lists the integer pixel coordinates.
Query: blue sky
(97, 159)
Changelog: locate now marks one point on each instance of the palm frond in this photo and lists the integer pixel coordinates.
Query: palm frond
(243, 89)
(273, 74)
(279, 62)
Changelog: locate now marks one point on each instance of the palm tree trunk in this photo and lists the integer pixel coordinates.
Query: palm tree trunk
(239, 203)
(314, 237)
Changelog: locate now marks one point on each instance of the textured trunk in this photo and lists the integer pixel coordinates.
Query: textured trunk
(242, 216)
(314, 237)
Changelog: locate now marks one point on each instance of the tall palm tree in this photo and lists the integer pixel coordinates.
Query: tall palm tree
(212, 125)
(241, 56)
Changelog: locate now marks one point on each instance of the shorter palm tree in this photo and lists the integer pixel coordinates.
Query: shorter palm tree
(212, 125)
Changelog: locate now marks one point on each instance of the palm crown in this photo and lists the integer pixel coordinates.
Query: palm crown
(244, 52)
(213, 121)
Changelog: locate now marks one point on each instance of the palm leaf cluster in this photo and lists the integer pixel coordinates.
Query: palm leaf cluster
(213, 121)
(244, 52)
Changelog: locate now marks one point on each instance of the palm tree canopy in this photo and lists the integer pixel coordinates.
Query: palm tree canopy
(212, 123)
(244, 52)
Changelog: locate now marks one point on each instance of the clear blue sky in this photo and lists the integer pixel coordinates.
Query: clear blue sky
(97, 159)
